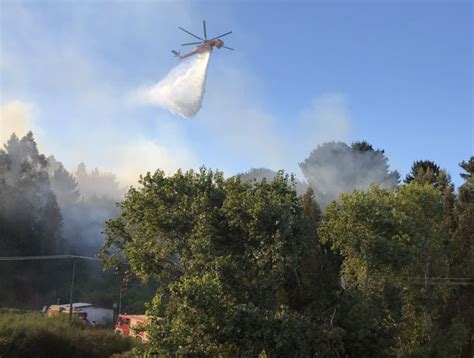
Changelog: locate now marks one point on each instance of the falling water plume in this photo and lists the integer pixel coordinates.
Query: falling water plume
(182, 90)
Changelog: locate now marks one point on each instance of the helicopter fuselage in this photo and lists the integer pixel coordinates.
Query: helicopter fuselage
(206, 46)
(203, 45)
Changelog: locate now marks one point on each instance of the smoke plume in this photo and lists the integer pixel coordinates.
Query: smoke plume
(182, 90)
(335, 167)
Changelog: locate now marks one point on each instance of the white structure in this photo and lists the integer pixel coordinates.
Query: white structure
(90, 313)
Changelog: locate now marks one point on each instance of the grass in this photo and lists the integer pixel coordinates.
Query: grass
(26, 334)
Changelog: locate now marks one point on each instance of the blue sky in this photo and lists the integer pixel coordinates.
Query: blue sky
(395, 73)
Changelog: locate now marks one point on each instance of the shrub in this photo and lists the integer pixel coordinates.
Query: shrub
(32, 335)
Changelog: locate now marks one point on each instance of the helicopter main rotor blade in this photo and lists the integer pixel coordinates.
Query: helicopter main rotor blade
(190, 33)
(227, 33)
(191, 43)
(205, 32)
(228, 48)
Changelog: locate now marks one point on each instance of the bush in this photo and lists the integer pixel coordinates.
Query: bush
(32, 335)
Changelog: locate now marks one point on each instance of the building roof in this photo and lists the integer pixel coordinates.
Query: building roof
(76, 305)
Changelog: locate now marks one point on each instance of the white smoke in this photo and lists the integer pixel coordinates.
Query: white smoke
(182, 90)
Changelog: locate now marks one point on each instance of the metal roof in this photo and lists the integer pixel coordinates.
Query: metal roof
(76, 305)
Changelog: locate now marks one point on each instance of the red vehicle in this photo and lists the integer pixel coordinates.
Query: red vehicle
(132, 325)
(204, 43)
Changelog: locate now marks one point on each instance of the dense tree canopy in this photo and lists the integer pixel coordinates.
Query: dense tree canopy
(461, 305)
(259, 174)
(385, 238)
(245, 265)
(399, 250)
(251, 265)
(231, 256)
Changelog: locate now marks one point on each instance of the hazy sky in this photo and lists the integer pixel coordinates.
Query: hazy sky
(398, 74)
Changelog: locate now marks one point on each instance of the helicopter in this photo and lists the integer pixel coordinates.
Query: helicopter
(205, 44)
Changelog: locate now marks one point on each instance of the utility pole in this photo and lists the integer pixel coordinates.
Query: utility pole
(120, 300)
(72, 288)
(55, 257)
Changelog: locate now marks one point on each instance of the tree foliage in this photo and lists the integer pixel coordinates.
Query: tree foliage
(259, 174)
(461, 307)
(42, 212)
(231, 256)
(399, 250)
(95, 183)
(28, 206)
(424, 172)
(30, 219)
(250, 265)
(246, 265)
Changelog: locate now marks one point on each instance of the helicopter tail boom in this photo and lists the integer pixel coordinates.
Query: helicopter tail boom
(176, 53)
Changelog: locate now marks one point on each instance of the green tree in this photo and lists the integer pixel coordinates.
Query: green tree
(319, 265)
(31, 216)
(30, 221)
(229, 256)
(460, 310)
(96, 183)
(259, 174)
(391, 243)
(425, 172)
(63, 184)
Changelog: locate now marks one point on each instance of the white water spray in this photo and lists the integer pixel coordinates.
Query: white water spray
(182, 90)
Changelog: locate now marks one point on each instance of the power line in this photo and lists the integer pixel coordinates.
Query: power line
(55, 257)
(432, 281)
(49, 257)
(417, 280)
